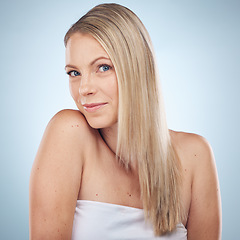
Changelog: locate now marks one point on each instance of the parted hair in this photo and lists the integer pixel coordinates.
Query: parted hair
(143, 135)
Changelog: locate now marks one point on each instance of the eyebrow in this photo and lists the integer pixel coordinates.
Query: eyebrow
(95, 60)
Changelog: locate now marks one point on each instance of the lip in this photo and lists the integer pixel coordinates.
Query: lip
(93, 107)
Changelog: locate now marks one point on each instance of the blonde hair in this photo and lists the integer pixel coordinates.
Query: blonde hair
(143, 135)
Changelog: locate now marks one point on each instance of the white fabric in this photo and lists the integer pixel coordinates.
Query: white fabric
(105, 221)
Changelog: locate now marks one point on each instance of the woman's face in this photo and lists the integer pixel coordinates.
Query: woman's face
(92, 80)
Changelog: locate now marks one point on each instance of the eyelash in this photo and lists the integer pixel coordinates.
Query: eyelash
(69, 73)
(78, 74)
(104, 65)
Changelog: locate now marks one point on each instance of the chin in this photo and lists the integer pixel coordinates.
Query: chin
(100, 123)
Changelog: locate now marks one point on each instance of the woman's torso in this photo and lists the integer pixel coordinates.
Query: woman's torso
(104, 180)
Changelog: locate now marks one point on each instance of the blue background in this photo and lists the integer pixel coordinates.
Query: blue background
(197, 47)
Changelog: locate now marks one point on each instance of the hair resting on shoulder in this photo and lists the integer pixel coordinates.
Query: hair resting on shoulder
(143, 135)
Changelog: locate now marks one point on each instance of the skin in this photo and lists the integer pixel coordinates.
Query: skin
(76, 161)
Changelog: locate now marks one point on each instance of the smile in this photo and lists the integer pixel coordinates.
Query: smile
(93, 107)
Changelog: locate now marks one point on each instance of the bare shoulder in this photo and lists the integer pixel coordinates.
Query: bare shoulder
(69, 119)
(204, 218)
(56, 175)
(192, 148)
(190, 142)
(69, 131)
(72, 125)
(195, 153)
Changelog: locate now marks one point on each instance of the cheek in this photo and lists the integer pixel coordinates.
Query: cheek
(112, 88)
(115, 92)
(74, 90)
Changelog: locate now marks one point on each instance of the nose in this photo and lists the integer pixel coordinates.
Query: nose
(86, 86)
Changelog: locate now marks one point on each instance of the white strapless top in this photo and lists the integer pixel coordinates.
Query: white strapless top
(106, 221)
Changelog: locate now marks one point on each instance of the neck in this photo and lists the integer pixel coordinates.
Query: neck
(109, 135)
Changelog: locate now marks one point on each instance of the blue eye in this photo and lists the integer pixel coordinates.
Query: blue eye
(104, 68)
(73, 73)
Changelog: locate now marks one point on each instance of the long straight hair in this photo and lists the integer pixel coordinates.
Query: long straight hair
(143, 135)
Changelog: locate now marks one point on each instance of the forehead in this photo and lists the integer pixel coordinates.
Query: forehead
(84, 45)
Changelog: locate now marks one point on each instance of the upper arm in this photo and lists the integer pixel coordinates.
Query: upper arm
(56, 176)
(204, 221)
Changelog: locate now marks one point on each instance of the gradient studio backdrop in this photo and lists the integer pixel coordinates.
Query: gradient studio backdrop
(197, 47)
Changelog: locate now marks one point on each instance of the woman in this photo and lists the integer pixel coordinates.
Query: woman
(113, 170)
